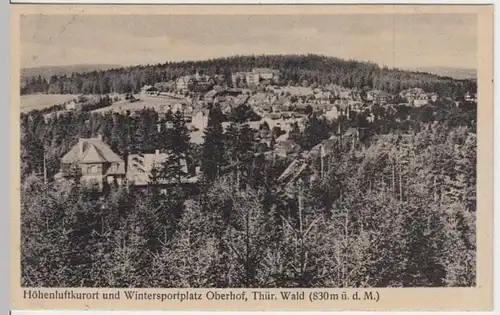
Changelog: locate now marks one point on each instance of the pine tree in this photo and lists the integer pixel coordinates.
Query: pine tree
(213, 147)
(315, 130)
(246, 238)
(240, 151)
(295, 134)
(193, 253)
(272, 142)
(45, 235)
(177, 150)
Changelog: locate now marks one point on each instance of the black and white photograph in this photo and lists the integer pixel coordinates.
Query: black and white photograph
(248, 151)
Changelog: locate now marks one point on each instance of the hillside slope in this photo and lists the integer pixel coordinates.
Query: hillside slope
(49, 71)
(455, 73)
(295, 69)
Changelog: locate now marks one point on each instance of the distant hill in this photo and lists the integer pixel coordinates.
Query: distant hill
(48, 71)
(318, 70)
(455, 73)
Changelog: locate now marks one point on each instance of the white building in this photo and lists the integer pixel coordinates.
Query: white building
(258, 74)
(470, 97)
(252, 78)
(177, 107)
(200, 119)
(183, 83)
(149, 90)
(434, 97)
(140, 167)
(333, 113)
(71, 105)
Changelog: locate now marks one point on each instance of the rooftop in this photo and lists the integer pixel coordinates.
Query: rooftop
(91, 150)
(140, 167)
(264, 70)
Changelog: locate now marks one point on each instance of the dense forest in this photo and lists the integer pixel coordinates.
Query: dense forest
(395, 208)
(295, 70)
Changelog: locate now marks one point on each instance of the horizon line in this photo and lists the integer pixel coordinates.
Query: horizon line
(118, 66)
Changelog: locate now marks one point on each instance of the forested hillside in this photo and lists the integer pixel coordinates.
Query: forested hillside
(48, 71)
(399, 212)
(295, 69)
(397, 208)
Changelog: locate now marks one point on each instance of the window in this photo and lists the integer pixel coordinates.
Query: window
(65, 168)
(94, 169)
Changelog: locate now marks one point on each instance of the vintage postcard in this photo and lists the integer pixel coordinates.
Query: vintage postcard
(252, 157)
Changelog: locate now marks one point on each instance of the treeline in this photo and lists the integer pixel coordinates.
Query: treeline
(127, 133)
(391, 211)
(396, 208)
(295, 70)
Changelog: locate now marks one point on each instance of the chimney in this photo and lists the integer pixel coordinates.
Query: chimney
(80, 146)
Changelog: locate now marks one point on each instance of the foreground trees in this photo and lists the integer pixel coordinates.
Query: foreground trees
(395, 211)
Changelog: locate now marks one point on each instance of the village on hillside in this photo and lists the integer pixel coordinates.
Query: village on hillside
(248, 172)
(304, 151)
(278, 111)
(249, 151)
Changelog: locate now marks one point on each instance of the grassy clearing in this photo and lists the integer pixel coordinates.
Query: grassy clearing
(145, 101)
(41, 101)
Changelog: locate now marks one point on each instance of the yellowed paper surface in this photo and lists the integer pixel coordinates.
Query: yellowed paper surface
(381, 299)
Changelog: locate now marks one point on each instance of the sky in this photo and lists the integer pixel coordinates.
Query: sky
(394, 40)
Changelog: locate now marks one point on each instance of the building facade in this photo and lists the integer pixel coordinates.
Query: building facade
(93, 162)
(140, 170)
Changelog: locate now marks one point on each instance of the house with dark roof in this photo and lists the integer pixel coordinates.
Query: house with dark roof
(234, 91)
(149, 90)
(92, 161)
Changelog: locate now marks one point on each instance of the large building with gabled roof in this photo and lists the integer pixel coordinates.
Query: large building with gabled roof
(92, 161)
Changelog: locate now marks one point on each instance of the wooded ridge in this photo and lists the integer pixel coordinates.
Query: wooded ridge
(295, 69)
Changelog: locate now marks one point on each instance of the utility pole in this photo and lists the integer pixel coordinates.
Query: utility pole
(301, 205)
(342, 268)
(301, 230)
(44, 168)
(346, 230)
(322, 160)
